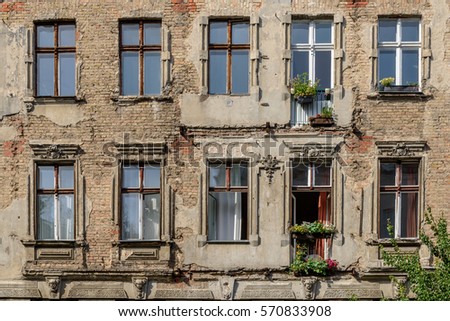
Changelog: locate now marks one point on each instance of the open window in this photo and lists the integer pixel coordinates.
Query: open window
(311, 197)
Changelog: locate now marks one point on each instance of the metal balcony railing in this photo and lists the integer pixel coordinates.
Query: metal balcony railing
(300, 112)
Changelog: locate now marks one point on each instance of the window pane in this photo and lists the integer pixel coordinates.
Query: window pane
(67, 74)
(387, 30)
(240, 33)
(66, 35)
(130, 176)
(300, 174)
(322, 174)
(228, 212)
(130, 216)
(323, 32)
(130, 73)
(239, 72)
(218, 32)
(66, 177)
(387, 177)
(46, 177)
(217, 175)
(410, 174)
(45, 74)
(152, 205)
(239, 174)
(410, 30)
(387, 213)
(152, 176)
(152, 33)
(300, 33)
(409, 215)
(300, 63)
(386, 65)
(46, 217)
(66, 206)
(217, 71)
(323, 68)
(130, 34)
(152, 73)
(45, 36)
(410, 67)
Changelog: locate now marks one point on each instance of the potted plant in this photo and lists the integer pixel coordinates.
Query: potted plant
(303, 89)
(388, 84)
(305, 265)
(312, 230)
(325, 118)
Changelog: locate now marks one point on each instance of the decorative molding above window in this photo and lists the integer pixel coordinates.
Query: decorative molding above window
(401, 148)
(311, 151)
(56, 151)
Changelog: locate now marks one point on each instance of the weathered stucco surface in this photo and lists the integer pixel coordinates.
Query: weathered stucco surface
(96, 128)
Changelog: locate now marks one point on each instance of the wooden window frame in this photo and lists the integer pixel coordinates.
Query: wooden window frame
(398, 189)
(229, 47)
(311, 186)
(141, 190)
(55, 192)
(56, 50)
(141, 49)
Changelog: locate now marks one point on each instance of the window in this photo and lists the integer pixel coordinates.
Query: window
(141, 202)
(228, 201)
(55, 202)
(55, 59)
(312, 53)
(311, 196)
(399, 198)
(229, 46)
(399, 47)
(140, 58)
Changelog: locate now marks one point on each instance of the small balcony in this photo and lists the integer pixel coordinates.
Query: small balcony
(301, 111)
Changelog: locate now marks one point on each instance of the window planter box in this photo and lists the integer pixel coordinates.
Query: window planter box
(399, 88)
(305, 99)
(311, 236)
(318, 120)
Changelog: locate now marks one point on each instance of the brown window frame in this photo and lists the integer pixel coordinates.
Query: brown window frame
(55, 191)
(398, 189)
(233, 189)
(141, 49)
(141, 190)
(56, 50)
(229, 47)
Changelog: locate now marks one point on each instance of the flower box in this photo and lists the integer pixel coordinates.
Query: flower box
(305, 99)
(400, 88)
(319, 120)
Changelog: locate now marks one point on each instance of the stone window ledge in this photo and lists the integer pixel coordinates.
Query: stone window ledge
(53, 250)
(140, 244)
(419, 96)
(400, 242)
(130, 100)
(57, 100)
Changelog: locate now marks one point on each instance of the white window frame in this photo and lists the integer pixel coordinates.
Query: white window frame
(311, 47)
(398, 45)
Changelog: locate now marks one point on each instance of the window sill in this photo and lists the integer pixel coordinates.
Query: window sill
(229, 242)
(54, 250)
(400, 242)
(129, 100)
(139, 243)
(58, 100)
(392, 95)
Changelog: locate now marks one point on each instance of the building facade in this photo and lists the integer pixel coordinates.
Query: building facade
(157, 149)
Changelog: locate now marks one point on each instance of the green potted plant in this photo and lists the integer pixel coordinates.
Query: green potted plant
(305, 265)
(325, 118)
(388, 84)
(312, 230)
(303, 89)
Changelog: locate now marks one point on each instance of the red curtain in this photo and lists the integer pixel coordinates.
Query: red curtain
(322, 217)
